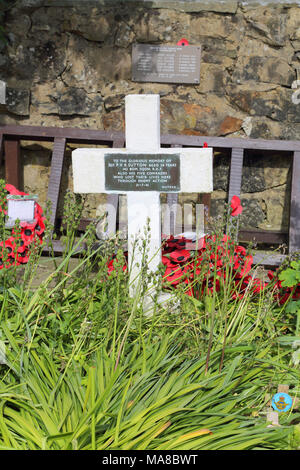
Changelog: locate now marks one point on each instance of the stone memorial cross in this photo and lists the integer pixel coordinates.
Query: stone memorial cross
(142, 171)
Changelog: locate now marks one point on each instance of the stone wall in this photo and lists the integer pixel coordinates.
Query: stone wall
(67, 63)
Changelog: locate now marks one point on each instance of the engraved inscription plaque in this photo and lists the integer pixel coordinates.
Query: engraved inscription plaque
(142, 172)
(166, 64)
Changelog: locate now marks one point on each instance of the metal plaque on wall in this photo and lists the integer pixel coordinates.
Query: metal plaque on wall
(142, 172)
(166, 64)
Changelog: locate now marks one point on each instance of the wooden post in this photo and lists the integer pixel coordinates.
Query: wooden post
(1, 148)
(55, 174)
(235, 179)
(294, 231)
(12, 162)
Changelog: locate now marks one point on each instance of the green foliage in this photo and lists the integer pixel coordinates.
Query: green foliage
(160, 402)
(293, 307)
(290, 277)
(86, 369)
(295, 438)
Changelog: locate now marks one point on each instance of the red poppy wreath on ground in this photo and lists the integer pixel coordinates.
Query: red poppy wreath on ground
(183, 267)
(18, 245)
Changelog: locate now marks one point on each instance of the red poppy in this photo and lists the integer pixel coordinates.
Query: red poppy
(166, 249)
(281, 294)
(273, 277)
(195, 267)
(170, 243)
(190, 290)
(246, 267)
(180, 256)
(40, 226)
(253, 285)
(198, 261)
(211, 285)
(27, 232)
(10, 247)
(165, 260)
(196, 272)
(236, 206)
(211, 239)
(176, 243)
(296, 293)
(38, 211)
(240, 250)
(183, 42)
(258, 285)
(111, 267)
(226, 238)
(174, 275)
(14, 191)
(218, 260)
(242, 261)
(22, 256)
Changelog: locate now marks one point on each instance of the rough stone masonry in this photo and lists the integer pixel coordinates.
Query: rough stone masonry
(68, 63)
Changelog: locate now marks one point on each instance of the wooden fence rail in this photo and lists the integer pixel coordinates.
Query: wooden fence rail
(11, 135)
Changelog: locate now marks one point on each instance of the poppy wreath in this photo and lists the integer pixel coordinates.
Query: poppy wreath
(184, 267)
(21, 240)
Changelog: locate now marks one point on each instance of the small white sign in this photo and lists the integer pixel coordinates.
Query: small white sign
(21, 209)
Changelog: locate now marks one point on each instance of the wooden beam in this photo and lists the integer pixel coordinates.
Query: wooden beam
(206, 201)
(40, 133)
(11, 135)
(58, 248)
(294, 231)
(236, 169)
(95, 136)
(267, 259)
(55, 175)
(263, 236)
(235, 179)
(1, 147)
(231, 142)
(12, 162)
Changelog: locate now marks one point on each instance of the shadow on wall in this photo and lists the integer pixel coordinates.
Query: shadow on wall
(295, 232)
(57, 56)
(265, 191)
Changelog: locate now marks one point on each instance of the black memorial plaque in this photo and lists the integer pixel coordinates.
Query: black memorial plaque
(166, 64)
(142, 172)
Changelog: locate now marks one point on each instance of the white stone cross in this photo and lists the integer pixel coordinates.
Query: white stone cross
(142, 171)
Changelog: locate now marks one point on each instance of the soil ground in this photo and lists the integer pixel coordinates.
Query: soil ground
(46, 267)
